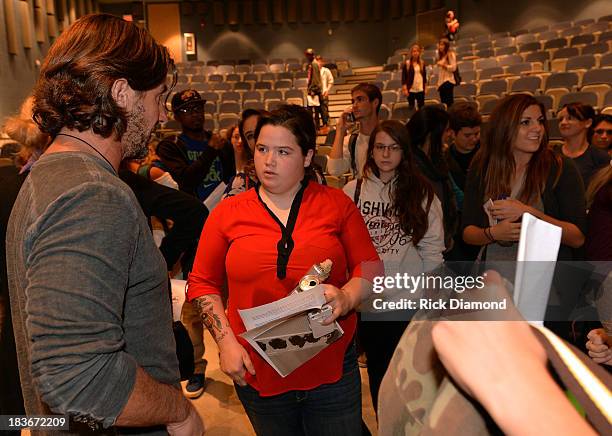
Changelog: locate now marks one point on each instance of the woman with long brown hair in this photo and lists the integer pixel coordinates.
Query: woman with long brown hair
(404, 219)
(516, 170)
(447, 65)
(414, 78)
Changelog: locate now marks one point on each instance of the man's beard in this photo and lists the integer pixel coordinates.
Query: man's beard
(136, 136)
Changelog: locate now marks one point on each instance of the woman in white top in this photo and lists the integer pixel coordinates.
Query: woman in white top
(404, 219)
(414, 78)
(447, 65)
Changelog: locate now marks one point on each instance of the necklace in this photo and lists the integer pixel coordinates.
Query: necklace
(90, 146)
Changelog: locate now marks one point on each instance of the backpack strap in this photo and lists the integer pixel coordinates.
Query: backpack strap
(357, 193)
(352, 150)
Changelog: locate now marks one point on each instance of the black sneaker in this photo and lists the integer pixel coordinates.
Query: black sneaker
(194, 387)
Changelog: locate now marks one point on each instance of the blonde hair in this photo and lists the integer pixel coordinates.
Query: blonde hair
(599, 179)
(22, 129)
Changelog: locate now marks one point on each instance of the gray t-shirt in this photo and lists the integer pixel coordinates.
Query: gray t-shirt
(88, 291)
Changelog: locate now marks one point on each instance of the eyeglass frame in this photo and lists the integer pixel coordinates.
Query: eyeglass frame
(393, 148)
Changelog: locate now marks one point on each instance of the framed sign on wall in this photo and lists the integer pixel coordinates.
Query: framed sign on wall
(190, 43)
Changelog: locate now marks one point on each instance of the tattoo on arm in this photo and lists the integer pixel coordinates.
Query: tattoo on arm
(212, 321)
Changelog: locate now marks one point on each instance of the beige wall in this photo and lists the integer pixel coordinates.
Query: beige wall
(164, 22)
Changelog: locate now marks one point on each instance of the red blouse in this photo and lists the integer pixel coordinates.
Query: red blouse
(239, 242)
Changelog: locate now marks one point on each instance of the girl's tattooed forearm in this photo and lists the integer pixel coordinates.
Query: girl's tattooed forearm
(212, 321)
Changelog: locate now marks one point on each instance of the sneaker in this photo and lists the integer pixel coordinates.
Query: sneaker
(194, 387)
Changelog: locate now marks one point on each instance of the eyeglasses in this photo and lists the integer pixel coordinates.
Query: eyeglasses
(608, 132)
(196, 109)
(393, 148)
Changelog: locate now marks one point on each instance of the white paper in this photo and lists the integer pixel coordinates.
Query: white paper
(537, 254)
(283, 308)
(313, 100)
(178, 297)
(215, 197)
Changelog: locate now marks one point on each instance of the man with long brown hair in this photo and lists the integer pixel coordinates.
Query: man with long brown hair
(88, 287)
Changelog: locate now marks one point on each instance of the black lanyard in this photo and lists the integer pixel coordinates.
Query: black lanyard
(285, 245)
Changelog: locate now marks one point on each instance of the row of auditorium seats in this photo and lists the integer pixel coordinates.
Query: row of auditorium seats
(235, 77)
(198, 67)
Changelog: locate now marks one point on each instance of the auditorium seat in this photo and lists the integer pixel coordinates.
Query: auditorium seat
(555, 43)
(599, 48)
(393, 85)
(384, 113)
(510, 50)
(268, 76)
(518, 68)
(225, 69)
(482, 64)
(583, 97)
(262, 86)
(389, 97)
(252, 104)
(251, 95)
(505, 61)
(229, 107)
(285, 75)
(466, 90)
(525, 38)
(222, 86)
(530, 84)
(488, 106)
(497, 87)
(215, 78)
(488, 72)
(468, 76)
(260, 68)
(241, 69)
(228, 120)
(277, 68)
(283, 84)
(598, 81)
(530, 46)
(230, 96)
(600, 26)
(485, 53)
(504, 42)
(242, 86)
(273, 104)
(584, 62)
(579, 40)
(538, 56)
(272, 95)
(300, 83)
(401, 112)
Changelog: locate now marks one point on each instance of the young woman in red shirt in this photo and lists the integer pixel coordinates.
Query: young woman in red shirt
(263, 241)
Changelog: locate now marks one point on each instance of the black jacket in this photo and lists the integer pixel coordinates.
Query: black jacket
(408, 75)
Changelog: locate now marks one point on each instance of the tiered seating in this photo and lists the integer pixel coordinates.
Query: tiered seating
(230, 86)
(568, 61)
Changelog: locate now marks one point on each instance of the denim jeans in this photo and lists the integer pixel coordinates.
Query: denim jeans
(328, 410)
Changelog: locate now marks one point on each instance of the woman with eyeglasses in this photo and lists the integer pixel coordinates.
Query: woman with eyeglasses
(404, 219)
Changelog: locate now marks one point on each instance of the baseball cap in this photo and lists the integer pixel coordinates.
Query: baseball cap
(188, 97)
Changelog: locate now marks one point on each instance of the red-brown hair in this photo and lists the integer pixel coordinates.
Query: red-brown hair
(495, 159)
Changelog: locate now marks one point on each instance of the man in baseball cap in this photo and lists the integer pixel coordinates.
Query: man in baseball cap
(199, 162)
